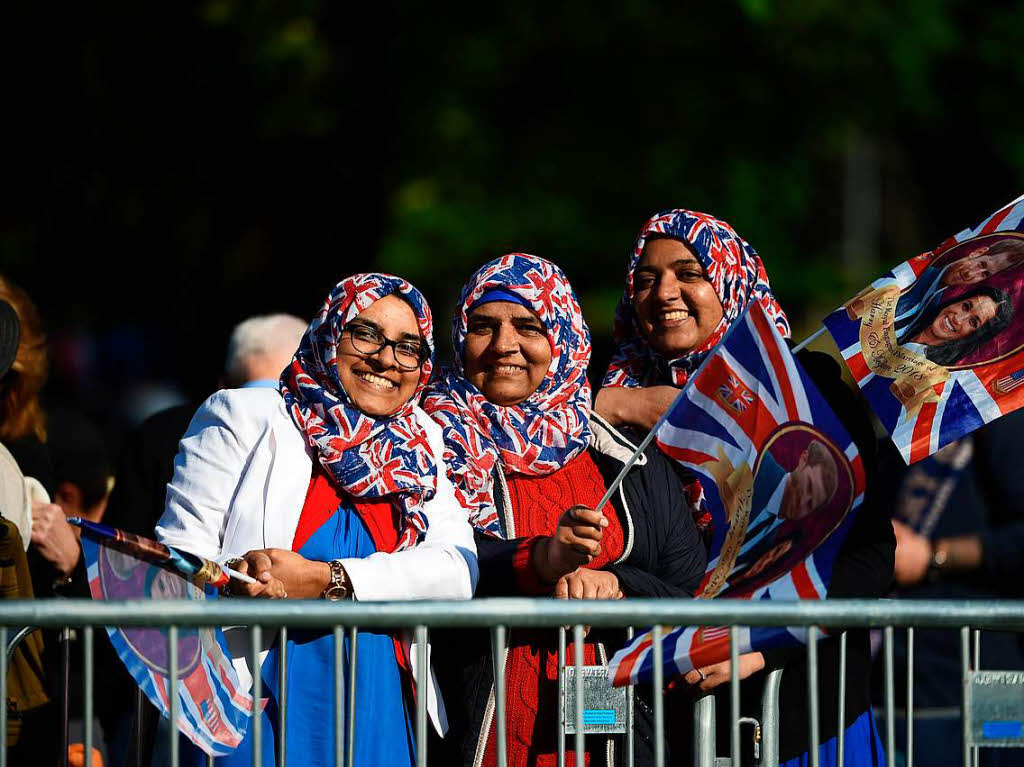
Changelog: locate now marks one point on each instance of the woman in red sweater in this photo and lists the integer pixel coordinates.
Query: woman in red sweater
(531, 462)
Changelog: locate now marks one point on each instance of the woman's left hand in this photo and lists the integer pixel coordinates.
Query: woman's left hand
(588, 584)
(302, 578)
(718, 673)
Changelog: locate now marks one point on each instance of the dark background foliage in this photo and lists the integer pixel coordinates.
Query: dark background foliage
(174, 168)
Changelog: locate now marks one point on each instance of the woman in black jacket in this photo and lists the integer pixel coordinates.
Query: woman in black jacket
(532, 465)
(690, 276)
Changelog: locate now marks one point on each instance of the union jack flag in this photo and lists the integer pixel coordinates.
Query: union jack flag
(735, 395)
(742, 456)
(976, 388)
(213, 707)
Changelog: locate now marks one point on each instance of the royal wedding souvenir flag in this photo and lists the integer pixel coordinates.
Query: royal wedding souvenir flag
(936, 345)
(214, 709)
(782, 479)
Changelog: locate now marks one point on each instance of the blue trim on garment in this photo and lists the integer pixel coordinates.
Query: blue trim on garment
(472, 564)
(497, 294)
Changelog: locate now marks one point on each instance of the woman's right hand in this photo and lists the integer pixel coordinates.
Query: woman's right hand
(640, 407)
(575, 543)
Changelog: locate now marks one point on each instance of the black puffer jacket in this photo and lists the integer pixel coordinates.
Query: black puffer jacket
(663, 556)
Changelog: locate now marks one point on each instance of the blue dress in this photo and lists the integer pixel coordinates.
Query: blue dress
(862, 747)
(383, 728)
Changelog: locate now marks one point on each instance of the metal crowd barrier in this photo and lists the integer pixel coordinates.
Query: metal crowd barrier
(992, 702)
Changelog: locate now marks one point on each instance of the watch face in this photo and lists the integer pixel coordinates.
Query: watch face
(335, 593)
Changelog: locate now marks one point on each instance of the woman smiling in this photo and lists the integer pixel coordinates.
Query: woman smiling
(293, 487)
(690, 276)
(530, 462)
(952, 330)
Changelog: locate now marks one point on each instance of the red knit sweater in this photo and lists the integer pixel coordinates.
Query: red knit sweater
(531, 668)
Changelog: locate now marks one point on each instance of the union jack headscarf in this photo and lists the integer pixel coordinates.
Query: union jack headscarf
(734, 270)
(367, 457)
(542, 433)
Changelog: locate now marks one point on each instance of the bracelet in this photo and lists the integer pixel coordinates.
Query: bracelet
(339, 587)
(230, 564)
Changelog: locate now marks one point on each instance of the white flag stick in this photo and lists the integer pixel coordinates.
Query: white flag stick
(811, 337)
(240, 576)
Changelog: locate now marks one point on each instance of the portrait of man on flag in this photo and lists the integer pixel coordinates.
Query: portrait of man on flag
(936, 342)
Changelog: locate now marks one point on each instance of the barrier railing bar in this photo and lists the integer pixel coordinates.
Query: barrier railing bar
(812, 695)
(282, 696)
(630, 744)
(577, 658)
(350, 741)
(500, 721)
(841, 718)
(658, 693)
(562, 713)
(3, 696)
(87, 684)
(339, 696)
(909, 714)
(422, 695)
(704, 731)
(172, 693)
(965, 714)
(975, 754)
(140, 709)
(734, 694)
(514, 612)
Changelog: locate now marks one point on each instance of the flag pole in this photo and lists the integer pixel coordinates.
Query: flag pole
(636, 455)
(800, 346)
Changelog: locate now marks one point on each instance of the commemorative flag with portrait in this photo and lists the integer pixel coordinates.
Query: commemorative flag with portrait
(782, 479)
(936, 344)
(213, 707)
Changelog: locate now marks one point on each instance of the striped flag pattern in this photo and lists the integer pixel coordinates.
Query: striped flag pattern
(213, 707)
(971, 395)
(719, 442)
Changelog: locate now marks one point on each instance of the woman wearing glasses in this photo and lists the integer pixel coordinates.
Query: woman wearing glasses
(332, 487)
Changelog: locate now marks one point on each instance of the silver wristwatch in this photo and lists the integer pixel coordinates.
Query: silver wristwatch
(338, 587)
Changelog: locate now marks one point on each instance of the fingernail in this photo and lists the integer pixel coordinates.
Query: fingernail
(604, 521)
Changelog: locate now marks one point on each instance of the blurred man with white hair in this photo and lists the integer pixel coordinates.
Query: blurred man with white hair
(260, 348)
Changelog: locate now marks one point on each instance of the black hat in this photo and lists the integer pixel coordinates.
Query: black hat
(10, 333)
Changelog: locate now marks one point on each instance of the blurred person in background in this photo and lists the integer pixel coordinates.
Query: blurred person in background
(258, 350)
(690, 276)
(959, 522)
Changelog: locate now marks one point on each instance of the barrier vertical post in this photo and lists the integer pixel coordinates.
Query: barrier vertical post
(562, 713)
(975, 754)
(734, 694)
(3, 695)
(812, 695)
(172, 691)
(841, 719)
(256, 642)
(630, 745)
(577, 653)
(965, 714)
(87, 683)
(282, 697)
(657, 690)
(350, 742)
(890, 696)
(422, 694)
(497, 659)
(339, 696)
(910, 697)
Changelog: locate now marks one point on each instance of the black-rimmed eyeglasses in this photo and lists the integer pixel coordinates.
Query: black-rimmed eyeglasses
(367, 340)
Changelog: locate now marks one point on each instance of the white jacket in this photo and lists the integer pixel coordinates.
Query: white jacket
(240, 481)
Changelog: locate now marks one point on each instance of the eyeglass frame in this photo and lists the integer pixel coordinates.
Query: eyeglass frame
(385, 342)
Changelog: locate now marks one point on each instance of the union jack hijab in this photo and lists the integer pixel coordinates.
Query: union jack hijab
(732, 267)
(367, 457)
(537, 436)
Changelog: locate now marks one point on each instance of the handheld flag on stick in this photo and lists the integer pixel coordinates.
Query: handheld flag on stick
(782, 479)
(213, 709)
(937, 345)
